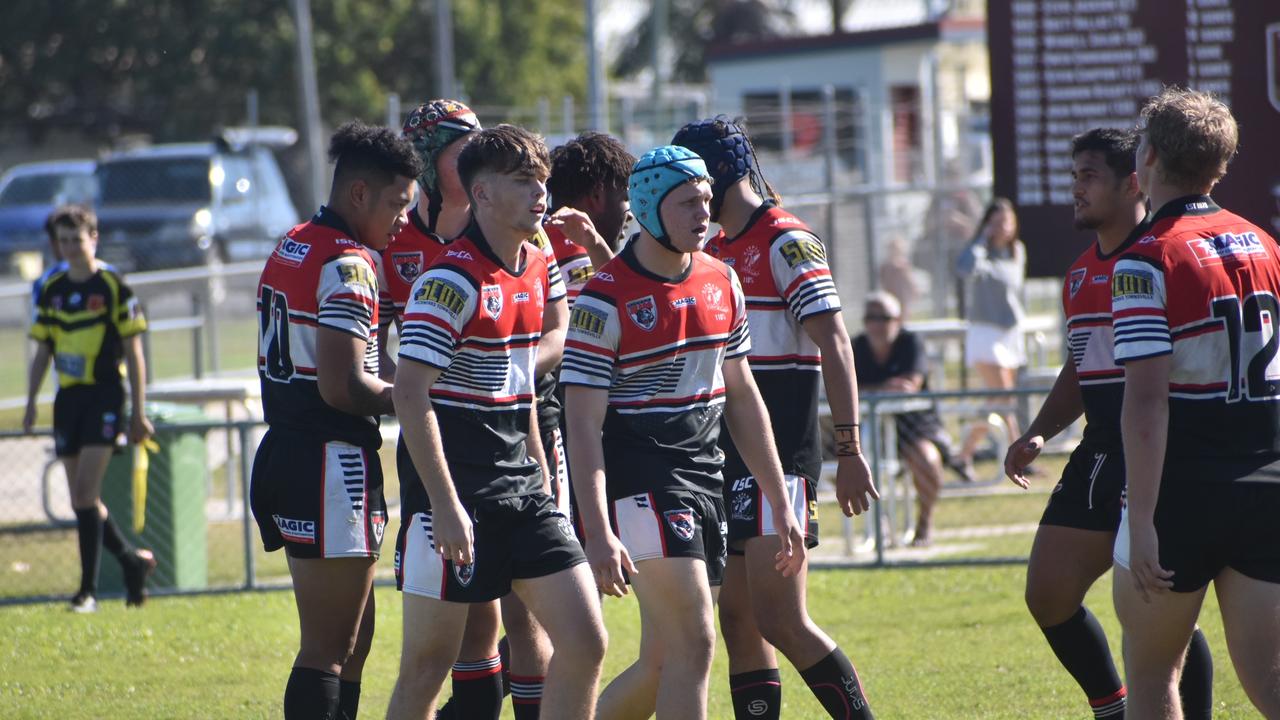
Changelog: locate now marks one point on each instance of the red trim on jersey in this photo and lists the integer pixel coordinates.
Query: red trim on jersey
(662, 525)
(482, 399)
(804, 278)
(671, 401)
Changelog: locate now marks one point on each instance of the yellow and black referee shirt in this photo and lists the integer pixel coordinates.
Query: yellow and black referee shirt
(85, 324)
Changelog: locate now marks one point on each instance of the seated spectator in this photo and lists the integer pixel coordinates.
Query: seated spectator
(891, 359)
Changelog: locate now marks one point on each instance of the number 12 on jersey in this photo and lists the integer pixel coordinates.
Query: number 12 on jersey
(273, 343)
(1253, 342)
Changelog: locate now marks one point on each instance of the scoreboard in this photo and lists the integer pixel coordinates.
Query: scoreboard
(1060, 67)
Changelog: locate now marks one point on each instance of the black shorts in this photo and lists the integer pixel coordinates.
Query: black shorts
(1204, 528)
(751, 515)
(317, 499)
(673, 523)
(1091, 492)
(87, 415)
(516, 538)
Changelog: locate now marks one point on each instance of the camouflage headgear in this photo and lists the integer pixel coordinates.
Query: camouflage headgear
(431, 127)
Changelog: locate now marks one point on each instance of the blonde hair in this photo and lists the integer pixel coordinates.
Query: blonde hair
(1193, 134)
(885, 300)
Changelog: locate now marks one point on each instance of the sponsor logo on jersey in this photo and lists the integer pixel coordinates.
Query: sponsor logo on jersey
(520, 297)
(681, 523)
(442, 294)
(378, 521)
(299, 531)
(346, 241)
(802, 250)
(683, 302)
(1132, 284)
(751, 255)
(1212, 251)
(356, 274)
(742, 506)
(784, 220)
(1077, 281)
(587, 321)
(74, 300)
(464, 574)
(96, 303)
(580, 274)
(1147, 240)
(605, 277)
(1099, 280)
(408, 265)
(714, 295)
(643, 312)
(460, 254)
(291, 252)
(491, 299)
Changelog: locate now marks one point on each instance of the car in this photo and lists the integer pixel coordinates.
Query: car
(28, 193)
(183, 204)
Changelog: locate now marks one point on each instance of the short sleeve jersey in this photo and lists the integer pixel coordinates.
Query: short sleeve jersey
(411, 252)
(575, 263)
(317, 276)
(658, 346)
(783, 268)
(85, 324)
(479, 322)
(907, 356)
(1086, 303)
(1203, 285)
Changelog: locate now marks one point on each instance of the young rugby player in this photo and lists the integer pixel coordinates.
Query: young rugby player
(1194, 308)
(798, 336)
(86, 319)
(317, 481)
(479, 523)
(1074, 543)
(655, 358)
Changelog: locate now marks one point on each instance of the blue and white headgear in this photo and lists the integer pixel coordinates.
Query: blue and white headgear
(654, 176)
(724, 145)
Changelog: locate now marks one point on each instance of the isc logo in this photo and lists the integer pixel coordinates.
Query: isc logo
(299, 531)
(742, 484)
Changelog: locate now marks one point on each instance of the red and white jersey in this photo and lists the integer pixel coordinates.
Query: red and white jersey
(658, 346)
(479, 322)
(783, 268)
(318, 276)
(575, 263)
(400, 263)
(1203, 284)
(1086, 303)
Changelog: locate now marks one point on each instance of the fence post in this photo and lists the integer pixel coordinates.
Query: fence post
(566, 121)
(197, 336)
(210, 317)
(869, 229)
(876, 469)
(544, 116)
(784, 106)
(246, 521)
(829, 157)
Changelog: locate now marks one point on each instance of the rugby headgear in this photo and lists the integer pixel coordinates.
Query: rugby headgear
(432, 127)
(654, 176)
(724, 146)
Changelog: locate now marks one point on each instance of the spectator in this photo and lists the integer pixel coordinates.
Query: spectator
(891, 359)
(898, 275)
(995, 264)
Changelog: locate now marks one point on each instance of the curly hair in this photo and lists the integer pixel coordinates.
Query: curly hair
(1194, 136)
(376, 154)
(590, 160)
(503, 149)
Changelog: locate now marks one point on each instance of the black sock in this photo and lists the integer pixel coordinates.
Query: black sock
(311, 695)
(348, 699)
(89, 530)
(526, 696)
(836, 685)
(504, 654)
(1081, 647)
(113, 541)
(477, 689)
(1196, 685)
(756, 694)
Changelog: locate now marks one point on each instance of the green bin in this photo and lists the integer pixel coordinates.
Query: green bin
(175, 528)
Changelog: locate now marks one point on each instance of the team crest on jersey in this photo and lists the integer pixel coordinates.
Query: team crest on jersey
(291, 252)
(464, 574)
(491, 299)
(714, 296)
(96, 303)
(742, 506)
(750, 256)
(681, 523)
(378, 522)
(408, 265)
(1077, 280)
(643, 312)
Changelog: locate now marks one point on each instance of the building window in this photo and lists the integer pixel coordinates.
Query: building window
(908, 163)
(764, 115)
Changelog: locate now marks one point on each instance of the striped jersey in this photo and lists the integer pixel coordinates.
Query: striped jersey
(400, 263)
(783, 268)
(85, 324)
(575, 263)
(658, 345)
(479, 322)
(1086, 303)
(1203, 285)
(317, 276)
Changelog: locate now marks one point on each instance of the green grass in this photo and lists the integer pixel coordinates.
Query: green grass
(937, 643)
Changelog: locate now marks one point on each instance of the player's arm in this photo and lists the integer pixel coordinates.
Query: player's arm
(451, 525)
(386, 363)
(533, 446)
(1144, 425)
(555, 323)
(585, 409)
(577, 226)
(136, 365)
(855, 488)
(344, 384)
(35, 378)
(386, 315)
(1063, 406)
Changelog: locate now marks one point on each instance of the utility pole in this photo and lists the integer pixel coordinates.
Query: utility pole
(660, 62)
(445, 76)
(309, 103)
(597, 93)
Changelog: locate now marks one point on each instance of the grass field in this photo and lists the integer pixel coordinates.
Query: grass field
(929, 643)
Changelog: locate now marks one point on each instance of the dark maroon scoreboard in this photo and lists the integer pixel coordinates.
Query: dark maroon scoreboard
(1059, 67)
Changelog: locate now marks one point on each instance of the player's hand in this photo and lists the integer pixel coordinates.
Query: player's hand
(577, 226)
(455, 537)
(607, 558)
(790, 559)
(1144, 561)
(29, 418)
(140, 428)
(854, 487)
(1020, 455)
(898, 384)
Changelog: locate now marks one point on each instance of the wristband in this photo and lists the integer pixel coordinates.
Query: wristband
(848, 443)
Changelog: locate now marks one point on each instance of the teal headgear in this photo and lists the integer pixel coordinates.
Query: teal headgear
(654, 176)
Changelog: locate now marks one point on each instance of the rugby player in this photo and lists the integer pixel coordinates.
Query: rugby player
(655, 358)
(86, 319)
(1077, 532)
(480, 523)
(1194, 308)
(798, 336)
(317, 481)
